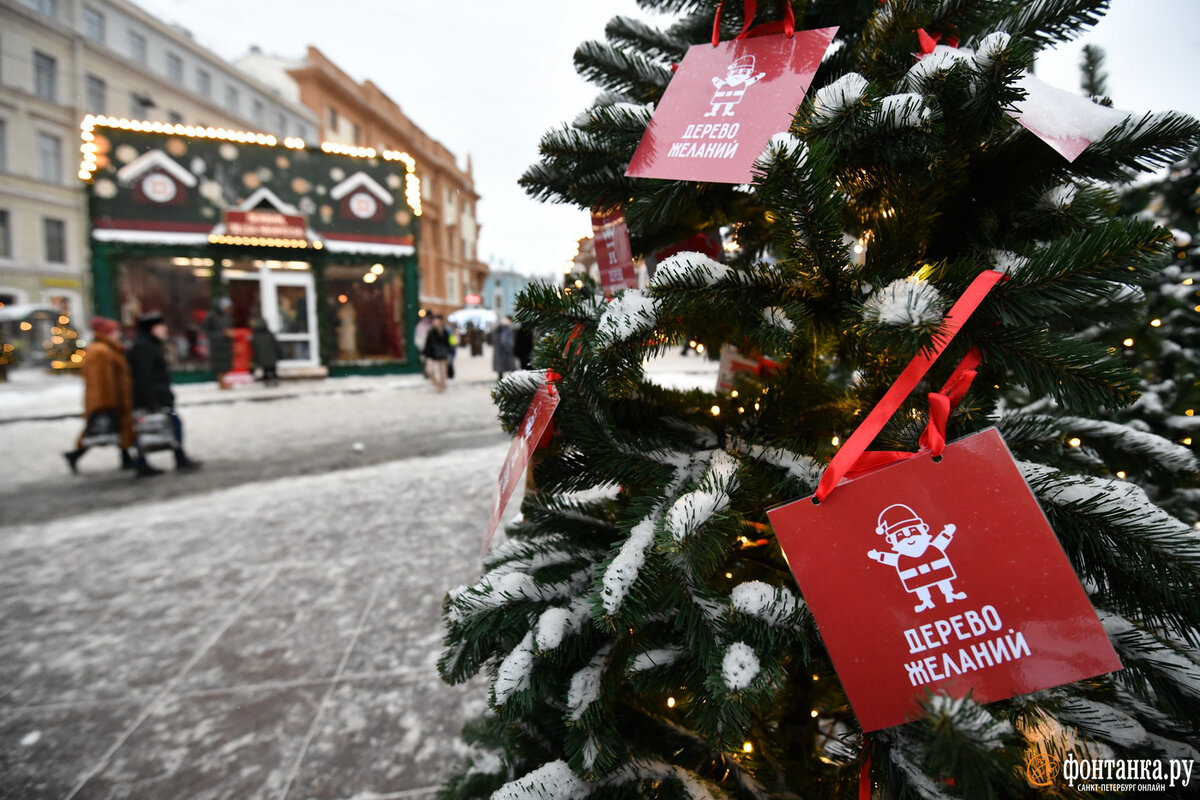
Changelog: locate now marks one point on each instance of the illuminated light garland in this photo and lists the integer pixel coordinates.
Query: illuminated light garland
(412, 182)
(261, 241)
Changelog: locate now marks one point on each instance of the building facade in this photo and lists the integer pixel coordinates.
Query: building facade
(362, 115)
(61, 60)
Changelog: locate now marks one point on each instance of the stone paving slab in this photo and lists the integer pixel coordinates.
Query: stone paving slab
(273, 640)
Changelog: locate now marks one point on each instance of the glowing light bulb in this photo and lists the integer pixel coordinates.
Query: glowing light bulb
(716, 411)
(1074, 441)
(1128, 342)
(670, 702)
(814, 713)
(835, 441)
(1121, 474)
(1156, 323)
(748, 747)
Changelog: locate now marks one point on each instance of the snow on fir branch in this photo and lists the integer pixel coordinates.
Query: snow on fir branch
(990, 48)
(784, 145)
(659, 771)
(585, 684)
(776, 318)
(552, 781)
(555, 623)
(486, 762)
(1114, 499)
(971, 719)
(514, 671)
(1101, 722)
(656, 658)
(1060, 197)
(688, 268)
(838, 98)
(739, 666)
(907, 110)
(804, 469)
(906, 753)
(625, 568)
(521, 381)
(511, 582)
(1134, 643)
(774, 605)
(1007, 262)
(905, 302)
(630, 312)
(690, 511)
(1163, 452)
(942, 59)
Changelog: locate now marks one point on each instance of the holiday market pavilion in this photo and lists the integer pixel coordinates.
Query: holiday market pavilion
(318, 243)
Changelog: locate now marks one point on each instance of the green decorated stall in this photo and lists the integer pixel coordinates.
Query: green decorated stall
(320, 244)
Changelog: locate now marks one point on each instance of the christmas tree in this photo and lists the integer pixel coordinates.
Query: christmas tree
(1162, 342)
(642, 630)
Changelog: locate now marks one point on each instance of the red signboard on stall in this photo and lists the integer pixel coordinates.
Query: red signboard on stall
(941, 574)
(264, 224)
(725, 103)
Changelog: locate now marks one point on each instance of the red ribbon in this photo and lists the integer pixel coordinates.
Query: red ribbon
(787, 25)
(928, 41)
(853, 456)
(864, 777)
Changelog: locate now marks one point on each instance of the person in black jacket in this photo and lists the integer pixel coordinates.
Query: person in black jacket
(438, 351)
(152, 386)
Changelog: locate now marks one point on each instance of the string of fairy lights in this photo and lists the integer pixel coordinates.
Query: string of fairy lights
(90, 156)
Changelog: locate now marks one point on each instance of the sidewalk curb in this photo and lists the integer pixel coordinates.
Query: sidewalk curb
(256, 398)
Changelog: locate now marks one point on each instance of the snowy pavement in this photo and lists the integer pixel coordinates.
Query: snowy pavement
(256, 636)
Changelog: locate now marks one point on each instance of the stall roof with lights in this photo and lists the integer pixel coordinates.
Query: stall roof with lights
(165, 184)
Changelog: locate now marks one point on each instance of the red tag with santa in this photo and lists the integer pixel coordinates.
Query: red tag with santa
(614, 254)
(537, 419)
(941, 574)
(725, 103)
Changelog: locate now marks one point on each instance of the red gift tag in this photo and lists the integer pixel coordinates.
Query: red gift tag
(536, 421)
(941, 575)
(614, 254)
(725, 103)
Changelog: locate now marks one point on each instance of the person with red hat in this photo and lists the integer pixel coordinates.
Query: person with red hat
(107, 394)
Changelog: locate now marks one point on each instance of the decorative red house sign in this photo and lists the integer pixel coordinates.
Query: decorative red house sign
(941, 574)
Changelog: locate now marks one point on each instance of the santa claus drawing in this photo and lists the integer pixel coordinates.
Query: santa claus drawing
(739, 77)
(919, 558)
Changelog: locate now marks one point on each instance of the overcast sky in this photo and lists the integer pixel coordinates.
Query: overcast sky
(489, 78)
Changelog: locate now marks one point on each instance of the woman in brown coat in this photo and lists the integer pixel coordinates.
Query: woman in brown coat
(107, 389)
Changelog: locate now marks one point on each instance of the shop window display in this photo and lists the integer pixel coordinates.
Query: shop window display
(181, 292)
(367, 309)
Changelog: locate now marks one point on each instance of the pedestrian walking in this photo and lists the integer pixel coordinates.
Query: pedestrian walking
(523, 346)
(218, 326)
(503, 342)
(266, 351)
(437, 352)
(107, 394)
(152, 387)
